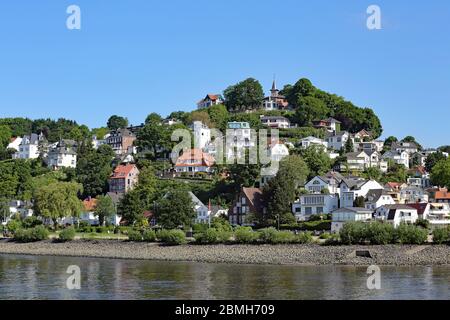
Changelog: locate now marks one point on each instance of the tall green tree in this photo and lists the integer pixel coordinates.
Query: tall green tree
(219, 116)
(309, 109)
(5, 136)
(440, 174)
(317, 160)
(153, 118)
(58, 200)
(176, 209)
(116, 122)
(245, 95)
(433, 159)
(104, 208)
(93, 169)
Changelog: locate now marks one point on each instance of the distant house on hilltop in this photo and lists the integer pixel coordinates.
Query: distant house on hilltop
(210, 100)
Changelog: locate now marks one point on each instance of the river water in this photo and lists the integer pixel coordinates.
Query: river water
(32, 277)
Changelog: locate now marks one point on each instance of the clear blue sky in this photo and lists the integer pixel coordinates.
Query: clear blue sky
(139, 56)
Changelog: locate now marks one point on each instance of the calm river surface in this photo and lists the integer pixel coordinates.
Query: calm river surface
(30, 277)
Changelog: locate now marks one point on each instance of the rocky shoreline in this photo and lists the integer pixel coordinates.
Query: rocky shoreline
(308, 254)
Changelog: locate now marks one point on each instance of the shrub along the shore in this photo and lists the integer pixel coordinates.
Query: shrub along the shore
(37, 233)
(68, 234)
(377, 233)
(441, 235)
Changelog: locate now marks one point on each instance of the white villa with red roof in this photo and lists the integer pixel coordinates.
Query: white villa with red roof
(210, 100)
(194, 160)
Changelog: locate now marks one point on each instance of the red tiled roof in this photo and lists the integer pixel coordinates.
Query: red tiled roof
(420, 207)
(89, 204)
(195, 157)
(122, 171)
(442, 195)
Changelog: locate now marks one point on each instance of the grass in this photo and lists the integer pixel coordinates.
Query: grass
(93, 236)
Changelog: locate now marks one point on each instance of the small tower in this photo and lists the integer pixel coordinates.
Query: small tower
(274, 91)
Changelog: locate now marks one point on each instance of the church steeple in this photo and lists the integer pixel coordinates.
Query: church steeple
(274, 91)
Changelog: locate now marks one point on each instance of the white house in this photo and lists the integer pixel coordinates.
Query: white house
(278, 151)
(15, 143)
(309, 141)
(275, 122)
(413, 194)
(340, 216)
(396, 214)
(310, 204)
(399, 157)
(17, 207)
(338, 140)
(203, 213)
(329, 181)
(352, 188)
(377, 198)
(202, 134)
(402, 146)
(438, 215)
(29, 147)
(194, 160)
(210, 100)
(238, 139)
(362, 160)
(63, 155)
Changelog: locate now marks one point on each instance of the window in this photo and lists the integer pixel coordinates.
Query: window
(308, 211)
(319, 210)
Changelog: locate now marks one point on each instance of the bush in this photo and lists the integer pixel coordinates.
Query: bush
(410, 234)
(318, 225)
(353, 233)
(172, 237)
(333, 240)
(380, 233)
(68, 234)
(441, 235)
(37, 233)
(14, 225)
(224, 236)
(210, 236)
(149, 236)
(425, 224)
(304, 237)
(31, 222)
(325, 236)
(134, 235)
(246, 235)
(267, 235)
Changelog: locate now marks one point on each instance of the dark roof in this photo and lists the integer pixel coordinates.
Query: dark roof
(254, 195)
(391, 214)
(420, 207)
(374, 195)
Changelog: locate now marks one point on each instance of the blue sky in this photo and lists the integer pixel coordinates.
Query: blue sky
(139, 56)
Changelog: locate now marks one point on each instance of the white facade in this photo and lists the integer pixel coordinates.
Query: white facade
(29, 147)
(318, 183)
(397, 214)
(276, 122)
(14, 144)
(343, 215)
(401, 157)
(338, 141)
(309, 141)
(202, 135)
(413, 194)
(378, 198)
(350, 190)
(310, 204)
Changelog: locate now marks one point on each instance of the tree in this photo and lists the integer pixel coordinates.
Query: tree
(349, 146)
(132, 206)
(359, 202)
(104, 208)
(5, 136)
(219, 116)
(302, 88)
(58, 200)
(245, 95)
(296, 167)
(440, 174)
(373, 173)
(153, 118)
(433, 159)
(309, 109)
(317, 160)
(175, 209)
(116, 122)
(94, 168)
(278, 194)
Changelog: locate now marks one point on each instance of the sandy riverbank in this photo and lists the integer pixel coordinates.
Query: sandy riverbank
(311, 254)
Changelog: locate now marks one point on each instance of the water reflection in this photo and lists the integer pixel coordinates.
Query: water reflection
(26, 277)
